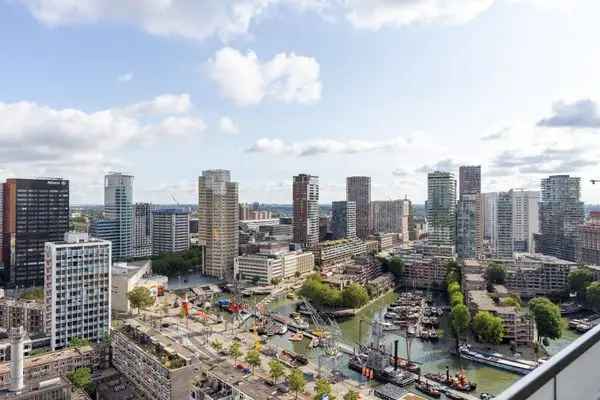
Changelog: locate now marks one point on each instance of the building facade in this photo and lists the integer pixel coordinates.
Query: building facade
(29, 314)
(489, 211)
(343, 219)
(35, 211)
(588, 240)
(441, 208)
(469, 177)
(259, 269)
(142, 230)
(127, 276)
(358, 190)
(170, 231)
(469, 227)
(305, 194)
(218, 222)
(561, 212)
(504, 225)
(390, 216)
(77, 289)
(525, 219)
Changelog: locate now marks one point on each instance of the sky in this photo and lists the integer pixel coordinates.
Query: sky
(392, 89)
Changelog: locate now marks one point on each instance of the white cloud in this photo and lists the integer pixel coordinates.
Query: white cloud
(376, 14)
(200, 19)
(246, 80)
(160, 105)
(38, 140)
(324, 146)
(124, 78)
(227, 126)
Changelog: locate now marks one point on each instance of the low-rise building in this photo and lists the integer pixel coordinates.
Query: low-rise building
(470, 266)
(29, 314)
(333, 253)
(58, 388)
(518, 327)
(128, 276)
(386, 241)
(372, 246)
(473, 282)
(155, 364)
(51, 365)
(305, 263)
(259, 269)
(532, 275)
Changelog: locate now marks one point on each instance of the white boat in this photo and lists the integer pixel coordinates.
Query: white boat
(519, 366)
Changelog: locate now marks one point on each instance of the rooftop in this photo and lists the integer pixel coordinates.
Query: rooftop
(474, 278)
(484, 302)
(46, 358)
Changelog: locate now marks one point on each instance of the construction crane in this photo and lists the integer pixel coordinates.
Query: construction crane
(174, 199)
(594, 181)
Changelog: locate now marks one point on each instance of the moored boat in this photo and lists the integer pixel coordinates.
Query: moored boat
(428, 389)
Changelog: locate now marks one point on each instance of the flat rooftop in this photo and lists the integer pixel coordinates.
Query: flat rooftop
(46, 358)
(484, 302)
(474, 278)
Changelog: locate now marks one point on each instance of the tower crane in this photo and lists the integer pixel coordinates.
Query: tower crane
(594, 181)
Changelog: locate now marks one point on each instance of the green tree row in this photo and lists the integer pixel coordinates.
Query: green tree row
(171, 264)
(320, 293)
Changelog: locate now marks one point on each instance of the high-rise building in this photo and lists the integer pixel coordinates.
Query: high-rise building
(35, 211)
(525, 219)
(489, 201)
(117, 225)
(77, 289)
(469, 226)
(390, 216)
(343, 219)
(469, 179)
(588, 240)
(305, 194)
(561, 212)
(170, 231)
(441, 208)
(504, 225)
(358, 190)
(142, 230)
(1, 220)
(218, 222)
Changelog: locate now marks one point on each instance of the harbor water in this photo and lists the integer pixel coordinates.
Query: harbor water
(432, 356)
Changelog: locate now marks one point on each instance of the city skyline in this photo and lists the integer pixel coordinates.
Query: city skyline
(146, 103)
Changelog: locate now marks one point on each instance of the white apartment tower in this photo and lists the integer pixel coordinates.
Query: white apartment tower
(170, 231)
(142, 230)
(525, 219)
(218, 220)
(77, 289)
(118, 208)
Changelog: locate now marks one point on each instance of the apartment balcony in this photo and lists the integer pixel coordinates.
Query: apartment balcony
(572, 374)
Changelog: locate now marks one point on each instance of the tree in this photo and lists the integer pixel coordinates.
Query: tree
(396, 266)
(253, 359)
(547, 317)
(489, 328)
(140, 298)
(579, 281)
(456, 298)
(593, 295)
(351, 395)
(496, 273)
(322, 388)
(36, 294)
(275, 281)
(78, 342)
(460, 318)
(276, 370)
(453, 287)
(217, 345)
(81, 377)
(354, 296)
(512, 302)
(235, 350)
(296, 381)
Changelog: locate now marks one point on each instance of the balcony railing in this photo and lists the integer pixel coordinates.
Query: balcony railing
(572, 374)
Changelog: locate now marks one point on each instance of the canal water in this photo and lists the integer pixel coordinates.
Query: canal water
(433, 357)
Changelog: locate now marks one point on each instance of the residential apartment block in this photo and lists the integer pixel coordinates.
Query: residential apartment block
(170, 231)
(358, 190)
(305, 194)
(588, 240)
(343, 220)
(142, 230)
(390, 216)
(77, 289)
(441, 208)
(29, 314)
